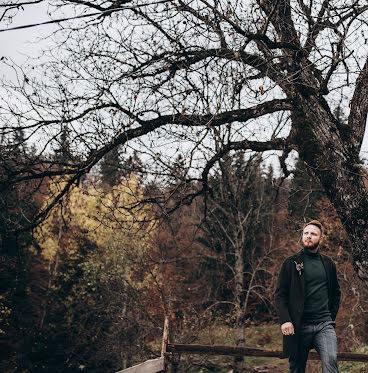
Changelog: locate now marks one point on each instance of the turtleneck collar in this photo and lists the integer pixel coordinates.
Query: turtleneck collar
(312, 255)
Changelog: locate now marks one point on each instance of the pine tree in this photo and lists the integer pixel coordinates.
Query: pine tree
(63, 154)
(111, 168)
(304, 194)
(18, 204)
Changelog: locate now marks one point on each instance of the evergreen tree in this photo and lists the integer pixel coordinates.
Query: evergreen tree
(110, 168)
(304, 194)
(113, 167)
(63, 154)
(132, 165)
(18, 205)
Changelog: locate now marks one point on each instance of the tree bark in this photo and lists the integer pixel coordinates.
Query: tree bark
(322, 144)
(239, 290)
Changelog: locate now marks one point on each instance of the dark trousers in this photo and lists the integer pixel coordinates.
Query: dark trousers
(322, 338)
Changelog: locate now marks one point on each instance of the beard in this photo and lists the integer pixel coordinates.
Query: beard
(309, 246)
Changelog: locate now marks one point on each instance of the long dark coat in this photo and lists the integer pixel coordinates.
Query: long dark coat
(290, 293)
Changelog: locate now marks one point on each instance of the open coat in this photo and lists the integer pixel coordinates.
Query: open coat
(290, 294)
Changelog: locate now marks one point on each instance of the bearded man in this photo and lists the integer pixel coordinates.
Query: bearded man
(307, 300)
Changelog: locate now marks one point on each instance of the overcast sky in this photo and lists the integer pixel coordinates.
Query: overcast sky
(19, 44)
(16, 44)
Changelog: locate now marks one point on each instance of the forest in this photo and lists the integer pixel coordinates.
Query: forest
(159, 159)
(88, 289)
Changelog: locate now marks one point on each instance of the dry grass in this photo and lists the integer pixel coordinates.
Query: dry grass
(268, 337)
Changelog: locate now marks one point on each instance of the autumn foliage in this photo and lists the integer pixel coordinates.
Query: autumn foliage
(89, 288)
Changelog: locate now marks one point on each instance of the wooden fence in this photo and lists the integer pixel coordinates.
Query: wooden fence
(149, 366)
(160, 364)
(247, 351)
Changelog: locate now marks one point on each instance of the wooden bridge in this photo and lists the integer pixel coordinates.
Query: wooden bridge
(160, 364)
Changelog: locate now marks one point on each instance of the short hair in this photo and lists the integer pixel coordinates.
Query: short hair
(316, 223)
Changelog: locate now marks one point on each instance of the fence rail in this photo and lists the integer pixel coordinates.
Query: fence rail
(149, 366)
(246, 351)
(160, 364)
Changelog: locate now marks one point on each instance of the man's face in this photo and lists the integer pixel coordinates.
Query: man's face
(312, 237)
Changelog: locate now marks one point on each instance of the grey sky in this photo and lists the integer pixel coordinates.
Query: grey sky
(19, 44)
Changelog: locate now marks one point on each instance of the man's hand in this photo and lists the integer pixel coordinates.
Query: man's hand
(287, 328)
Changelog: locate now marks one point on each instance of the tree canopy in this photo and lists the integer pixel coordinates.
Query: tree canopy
(166, 78)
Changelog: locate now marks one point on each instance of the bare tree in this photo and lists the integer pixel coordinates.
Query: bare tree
(238, 232)
(160, 76)
(9, 9)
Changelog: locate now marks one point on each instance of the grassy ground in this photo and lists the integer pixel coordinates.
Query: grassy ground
(265, 336)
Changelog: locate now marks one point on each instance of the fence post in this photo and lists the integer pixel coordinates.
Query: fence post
(165, 341)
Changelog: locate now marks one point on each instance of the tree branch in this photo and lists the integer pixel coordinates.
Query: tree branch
(257, 146)
(214, 120)
(282, 21)
(147, 126)
(359, 109)
(314, 27)
(184, 59)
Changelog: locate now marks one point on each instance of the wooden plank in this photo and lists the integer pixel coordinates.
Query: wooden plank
(246, 351)
(349, 356)
(149, 366)
(165, 341)
(221, 350)
(165, 337)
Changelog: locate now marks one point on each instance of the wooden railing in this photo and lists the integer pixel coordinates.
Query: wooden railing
(160, 364)
(155, 365)
(149, 366)
(247, 351)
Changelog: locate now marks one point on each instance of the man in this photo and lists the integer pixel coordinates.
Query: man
(307, 299)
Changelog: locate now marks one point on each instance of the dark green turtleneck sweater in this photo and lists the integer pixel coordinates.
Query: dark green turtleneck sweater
(316, 292)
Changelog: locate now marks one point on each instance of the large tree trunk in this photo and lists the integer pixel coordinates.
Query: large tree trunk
(331, 150)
